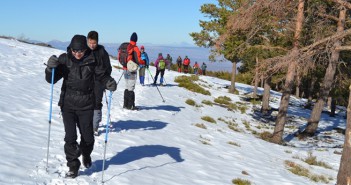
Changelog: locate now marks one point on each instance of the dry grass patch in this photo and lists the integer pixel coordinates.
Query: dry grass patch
(265, 135)
(207, 102)
(231, 124)
(301, 171)
(234, 143)
(312, 160)
(200, 125)
(247, 124)
(188, 83)
(208, 119)
(204, 140)
(190, 102)
(223, 100)
(239, 181)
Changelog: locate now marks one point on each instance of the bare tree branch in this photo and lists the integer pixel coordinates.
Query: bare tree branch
(327, 39)
(328, 16)
(343, 3)
(343, 48)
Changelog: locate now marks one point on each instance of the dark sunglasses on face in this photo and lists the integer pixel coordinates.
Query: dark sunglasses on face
(79, 51)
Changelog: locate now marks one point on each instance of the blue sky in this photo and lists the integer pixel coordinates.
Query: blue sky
(156, 21)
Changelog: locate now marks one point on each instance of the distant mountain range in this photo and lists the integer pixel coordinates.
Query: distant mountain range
(196, 54)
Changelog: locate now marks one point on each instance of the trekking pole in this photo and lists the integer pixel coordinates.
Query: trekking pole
(107, 104)
(156, 86)
(148, 81)
(120, 78)
(52, 90)
(106, 136)
(164, 79)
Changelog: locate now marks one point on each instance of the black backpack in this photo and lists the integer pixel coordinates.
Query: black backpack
(123, 54)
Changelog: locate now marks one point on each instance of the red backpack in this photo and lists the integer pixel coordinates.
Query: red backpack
(186, 61)
(123, 54)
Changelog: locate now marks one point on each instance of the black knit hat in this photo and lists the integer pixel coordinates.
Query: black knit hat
(79, 42)
(134, 37)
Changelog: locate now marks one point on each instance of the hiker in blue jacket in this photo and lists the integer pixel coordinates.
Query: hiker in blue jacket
(143, 65)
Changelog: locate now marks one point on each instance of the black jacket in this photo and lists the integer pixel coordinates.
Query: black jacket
(102, 56)
(77, 91)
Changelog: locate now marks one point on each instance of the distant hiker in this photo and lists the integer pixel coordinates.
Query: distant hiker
(160, 65)
(179, 63)
(79, 70)
(130, 66)
(102, 56)
(143, 64)
(196, 68)
(186, 63)
(169, 59)
(203, 68)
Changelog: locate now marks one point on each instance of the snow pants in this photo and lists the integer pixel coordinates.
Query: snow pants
(84, 121)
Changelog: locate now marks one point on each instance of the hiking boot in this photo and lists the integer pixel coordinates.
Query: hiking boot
(87, 161)
(72, 173)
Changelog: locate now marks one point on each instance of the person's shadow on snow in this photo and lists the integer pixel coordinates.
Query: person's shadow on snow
(135, 153)
(125, 125)
(163, 107)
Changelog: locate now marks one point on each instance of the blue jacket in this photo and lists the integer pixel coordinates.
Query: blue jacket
(145, 58)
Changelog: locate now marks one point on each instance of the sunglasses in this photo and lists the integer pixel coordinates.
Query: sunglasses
(79, 51)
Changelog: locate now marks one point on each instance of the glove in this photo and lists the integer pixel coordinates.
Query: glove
(147, 66)
(53, 62)
(111, 85)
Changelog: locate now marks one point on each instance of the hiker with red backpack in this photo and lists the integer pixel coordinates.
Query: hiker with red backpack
(130, 57)
(160, 65)
(186, 63)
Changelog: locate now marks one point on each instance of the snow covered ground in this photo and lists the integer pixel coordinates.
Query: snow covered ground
(158, 145)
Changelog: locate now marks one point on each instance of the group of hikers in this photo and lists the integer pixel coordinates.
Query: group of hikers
(86, 72)
(162, 64)
(186, 63)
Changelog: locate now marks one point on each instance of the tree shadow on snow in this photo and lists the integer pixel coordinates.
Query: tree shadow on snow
(135, 153)
(136, 125)
(333, 124)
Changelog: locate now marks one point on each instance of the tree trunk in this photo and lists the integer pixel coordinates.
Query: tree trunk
(277, 136)
(329, 100)
(257, 79)
(332, 107)
(344, 174)
(232, 85)
(265, 100)
(310, 93)
(328, 80)
(298, 83)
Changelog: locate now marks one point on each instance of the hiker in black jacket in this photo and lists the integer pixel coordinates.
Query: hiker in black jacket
(79, 69)
(102, 56)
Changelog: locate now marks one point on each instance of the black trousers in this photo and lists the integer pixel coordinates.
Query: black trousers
(83, 120)
(162, 71)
